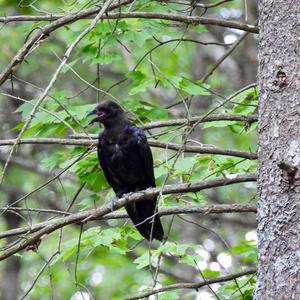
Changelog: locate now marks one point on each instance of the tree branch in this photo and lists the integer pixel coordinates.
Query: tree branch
(54, 78)
(194, 285)
(69, 18)
(88, 13)
(46, 30)
(224, 56)
(193, 20)
(163, 211)
(125, 200)
(153, 143)
(196, 4)
(193, 120)
(203, 149)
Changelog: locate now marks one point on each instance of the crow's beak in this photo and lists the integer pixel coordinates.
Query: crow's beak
(93, 112)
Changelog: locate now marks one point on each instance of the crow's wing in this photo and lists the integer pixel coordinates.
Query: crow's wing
(127, 166)
(108, 169)
(145, 155)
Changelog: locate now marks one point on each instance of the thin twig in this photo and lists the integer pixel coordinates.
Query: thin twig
(224, 56)
(49, 180)
(154, 143)
(194, 20)
(46, 30)
(39, 274)
(195, 286)
(125, 200)
(163, 211)
(52, 82)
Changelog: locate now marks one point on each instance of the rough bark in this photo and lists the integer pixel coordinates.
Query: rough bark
(279, 151)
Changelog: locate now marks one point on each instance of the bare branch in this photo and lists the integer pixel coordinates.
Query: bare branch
(46, 30)
(193, 120)
(154, 143)
(196, 4)
(127, 199)
(224, 56)
(69, 18)
(194, 285)
(163, 211)
(203, 149)
(85, 13)
(36, 210)
(194, 20)
(50, 141)
(53, 80)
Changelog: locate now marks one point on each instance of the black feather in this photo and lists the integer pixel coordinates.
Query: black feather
(126, 159)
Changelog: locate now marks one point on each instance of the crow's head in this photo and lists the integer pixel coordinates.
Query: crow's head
(107, 112)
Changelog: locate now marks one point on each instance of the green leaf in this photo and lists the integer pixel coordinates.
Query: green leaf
(191, 259)
(192, 88)
(89, 201)
(136, 36)
(89, 172)
(55, 159)
(140, 83)
(145, 110)
(136, 76)
(198, 28)
(183, 166)
(247, 250)
(245, 102)
(169, 295)
(142, 87)
(210, 273)
(26, 108)
(106, 58)
(106, 237)
(176, 249)
(185, 85)
(142, 261)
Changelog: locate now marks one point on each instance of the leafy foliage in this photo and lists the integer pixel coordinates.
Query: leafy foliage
(147, 67)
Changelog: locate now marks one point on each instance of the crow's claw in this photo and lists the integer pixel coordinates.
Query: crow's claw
(112, 203)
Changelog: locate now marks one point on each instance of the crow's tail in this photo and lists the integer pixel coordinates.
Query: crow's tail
(146, 220)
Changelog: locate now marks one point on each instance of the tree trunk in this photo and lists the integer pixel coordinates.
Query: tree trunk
(279, 151)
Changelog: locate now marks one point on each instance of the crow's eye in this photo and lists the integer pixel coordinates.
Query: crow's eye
(100, 112)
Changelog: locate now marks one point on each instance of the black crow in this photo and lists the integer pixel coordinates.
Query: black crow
(126, 159)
